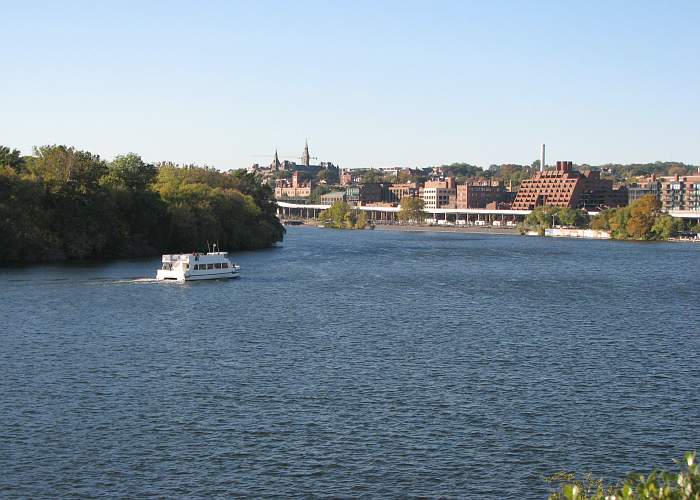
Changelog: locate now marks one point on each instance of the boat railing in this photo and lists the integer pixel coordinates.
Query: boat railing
(174, 257)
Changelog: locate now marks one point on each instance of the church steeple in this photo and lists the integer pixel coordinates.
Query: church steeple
(276, 164)
(306, 158)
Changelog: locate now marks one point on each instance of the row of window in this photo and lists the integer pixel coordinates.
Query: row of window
(204, 267)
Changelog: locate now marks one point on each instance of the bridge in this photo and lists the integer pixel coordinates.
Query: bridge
(312, 211)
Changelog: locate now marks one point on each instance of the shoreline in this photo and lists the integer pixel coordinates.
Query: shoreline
(416, 228)
(499, 231)
(420, 228)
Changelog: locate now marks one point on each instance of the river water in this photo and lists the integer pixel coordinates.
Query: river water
(352, 364)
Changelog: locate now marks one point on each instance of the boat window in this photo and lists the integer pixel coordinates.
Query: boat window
(210, 266)
(224, 265)
(217, 265)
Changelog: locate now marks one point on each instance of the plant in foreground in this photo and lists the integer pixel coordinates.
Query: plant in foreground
(683, 485)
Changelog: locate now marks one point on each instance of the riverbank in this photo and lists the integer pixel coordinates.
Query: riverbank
(417, 228)
(423, 228)
(53, 211)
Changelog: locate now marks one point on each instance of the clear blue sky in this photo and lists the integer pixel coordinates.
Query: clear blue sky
(369, 83)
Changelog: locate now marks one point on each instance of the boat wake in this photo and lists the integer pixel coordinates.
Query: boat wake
(134, 280)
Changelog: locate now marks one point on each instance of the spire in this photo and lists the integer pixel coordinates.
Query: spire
(306, 158)
(277, 161)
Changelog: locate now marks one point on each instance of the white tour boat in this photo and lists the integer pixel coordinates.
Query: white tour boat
(195, 266)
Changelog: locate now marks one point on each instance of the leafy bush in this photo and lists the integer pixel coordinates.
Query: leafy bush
(546, 216)
(683, 485)
(340, 215)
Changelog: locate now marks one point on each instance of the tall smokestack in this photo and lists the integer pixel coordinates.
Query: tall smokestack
(542, 159)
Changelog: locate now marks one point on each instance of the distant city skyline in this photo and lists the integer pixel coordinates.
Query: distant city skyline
(398, 84)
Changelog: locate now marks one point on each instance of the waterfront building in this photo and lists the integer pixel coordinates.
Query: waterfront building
(440, 193)
(363, 194)
(294, 189)
(649, 186)
(480, 193)
(565, 187)
(680, 193)
(406, 189)
(333, 197)
(598, 193)
(674, 192)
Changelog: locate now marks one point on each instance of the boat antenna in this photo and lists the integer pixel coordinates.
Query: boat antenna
(208, 249)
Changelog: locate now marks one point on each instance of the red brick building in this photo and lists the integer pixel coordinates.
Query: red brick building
(399, 191)
(566, 187)
(480, 193)
(294, 189)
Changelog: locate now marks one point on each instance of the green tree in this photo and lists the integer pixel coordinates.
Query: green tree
(643, 215)
(69, 204)
(361, 221)
(372, 177)
(572, 217)
(11, 158)
(545, 217)
(336, 215)
(130, 172)
(666, 226)
(411, 210)
(403, 176)
(642, 220)
(329, 174)
(65, 168)
(341, 215)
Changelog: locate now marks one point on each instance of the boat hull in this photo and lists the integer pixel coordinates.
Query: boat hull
(180, 278)
(213, 276)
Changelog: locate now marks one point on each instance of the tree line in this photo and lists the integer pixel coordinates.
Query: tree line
(61, 203)
(643, 219)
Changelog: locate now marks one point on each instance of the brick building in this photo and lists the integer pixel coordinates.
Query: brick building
(680, 192)
(651, 185)
(368, 193)
(348, 177)
(408, 189)
(565, 187)
(480, 193)
(295, 188)
(676, 192)
(439, 193)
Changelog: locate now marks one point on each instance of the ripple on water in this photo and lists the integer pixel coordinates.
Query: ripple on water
(346, 364)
